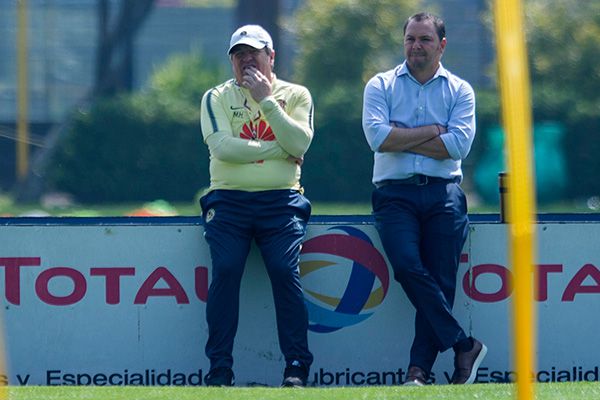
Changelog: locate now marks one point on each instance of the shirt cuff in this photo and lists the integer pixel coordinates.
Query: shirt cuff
(382, 132)
(451, 147)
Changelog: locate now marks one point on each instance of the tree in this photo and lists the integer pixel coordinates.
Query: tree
(114, 60)
(563, 39)
(564, 42)
(364, 38)
(260, 12)
(342, 43)
(114, 73)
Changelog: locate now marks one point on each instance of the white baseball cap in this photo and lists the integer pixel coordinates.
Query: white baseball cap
(252, 35)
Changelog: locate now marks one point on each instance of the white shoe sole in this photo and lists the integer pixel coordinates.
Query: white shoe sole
(413, 383)
(476, 364)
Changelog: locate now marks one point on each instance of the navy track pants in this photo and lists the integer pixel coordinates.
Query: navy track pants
(276, 220)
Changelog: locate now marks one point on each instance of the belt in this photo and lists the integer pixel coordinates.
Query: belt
(417, 180)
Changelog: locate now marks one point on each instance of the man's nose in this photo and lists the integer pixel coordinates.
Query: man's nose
(247, 55)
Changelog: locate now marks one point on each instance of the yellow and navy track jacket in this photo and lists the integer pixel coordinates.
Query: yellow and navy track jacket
(251, 144)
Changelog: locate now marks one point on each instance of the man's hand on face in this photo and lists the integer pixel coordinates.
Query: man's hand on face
(257, 83)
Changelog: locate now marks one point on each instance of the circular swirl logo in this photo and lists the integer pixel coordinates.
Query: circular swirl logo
(344, 278)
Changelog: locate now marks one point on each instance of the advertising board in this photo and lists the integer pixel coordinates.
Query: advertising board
(122, 302)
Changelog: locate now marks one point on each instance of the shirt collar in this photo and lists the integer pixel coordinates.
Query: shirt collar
(402, 69)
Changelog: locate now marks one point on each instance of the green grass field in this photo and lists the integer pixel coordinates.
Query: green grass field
(546, 391)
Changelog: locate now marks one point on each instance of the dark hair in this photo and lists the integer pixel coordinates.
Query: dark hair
(438, 23)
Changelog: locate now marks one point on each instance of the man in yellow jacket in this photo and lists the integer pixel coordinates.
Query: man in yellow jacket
(257, 129)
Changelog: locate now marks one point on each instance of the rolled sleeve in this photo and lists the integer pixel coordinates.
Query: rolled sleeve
(375, 119)
(461, 124)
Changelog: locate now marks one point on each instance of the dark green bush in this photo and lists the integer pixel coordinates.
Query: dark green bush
(143, 146)
(339, 163)
(119, 152)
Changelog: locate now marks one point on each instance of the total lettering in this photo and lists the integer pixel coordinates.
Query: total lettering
(159, 282)
(163, 282)
(585, 280)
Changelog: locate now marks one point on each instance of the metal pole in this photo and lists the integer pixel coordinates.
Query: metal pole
(22, 93)
(516, 112)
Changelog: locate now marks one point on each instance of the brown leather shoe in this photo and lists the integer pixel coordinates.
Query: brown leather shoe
(415, 377)
(466, 363)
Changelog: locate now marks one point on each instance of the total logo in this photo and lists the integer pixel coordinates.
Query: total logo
(344, 277)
